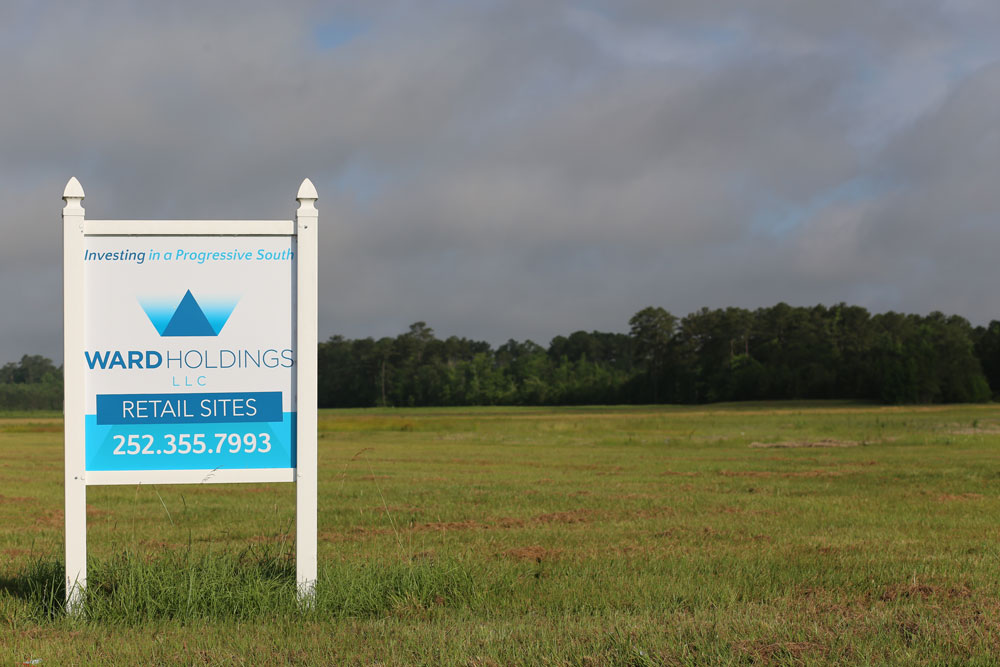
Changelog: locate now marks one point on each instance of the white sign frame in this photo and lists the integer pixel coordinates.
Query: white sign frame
(75, 230)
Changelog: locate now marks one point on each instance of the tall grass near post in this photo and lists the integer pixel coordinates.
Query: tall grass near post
(253, 585)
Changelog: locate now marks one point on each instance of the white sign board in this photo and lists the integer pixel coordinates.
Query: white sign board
(189, 353)
(190, 357)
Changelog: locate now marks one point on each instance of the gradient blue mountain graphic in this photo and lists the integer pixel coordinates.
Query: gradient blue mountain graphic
(188, 318)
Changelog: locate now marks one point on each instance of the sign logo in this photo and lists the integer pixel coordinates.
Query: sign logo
(188, 318)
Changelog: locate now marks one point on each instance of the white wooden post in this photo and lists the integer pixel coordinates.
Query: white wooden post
(73, 408)
(306, 218)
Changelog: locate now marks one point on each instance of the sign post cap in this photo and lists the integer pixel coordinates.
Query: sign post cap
(306, 191)
(74, 190)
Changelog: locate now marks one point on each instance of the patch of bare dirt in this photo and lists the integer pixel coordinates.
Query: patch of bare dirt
(573, 516)
(5, 500)
(674, 473)
(4, 479)
(771, 473)
(766, 652)
(450, 525)
(533, 553)
(31, 427)
(332, 536)
(652, 512)
(474, 462)
(635, 496)
(158, 544)
(15, 553)
(923, 590)
(363, 531)
(793, 444)
(812, 473)
(51, 519)
(827, 549)
(957, 497)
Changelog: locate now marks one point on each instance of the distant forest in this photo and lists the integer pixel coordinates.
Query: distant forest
(731, 354)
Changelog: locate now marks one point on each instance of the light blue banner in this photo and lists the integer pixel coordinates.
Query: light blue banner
(206, 446)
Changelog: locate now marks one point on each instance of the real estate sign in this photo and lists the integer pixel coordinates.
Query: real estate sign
(189, 357)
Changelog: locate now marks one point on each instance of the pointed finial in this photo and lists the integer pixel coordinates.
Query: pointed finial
(307, 202)
(307, 190)
(73, 189)
(73, 196)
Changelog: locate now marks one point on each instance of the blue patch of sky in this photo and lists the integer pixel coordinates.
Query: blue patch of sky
(778, 219)
(884, 100)
(967, 58)
(363, 182)
(700, 46)
(337, 32)
(691, 43)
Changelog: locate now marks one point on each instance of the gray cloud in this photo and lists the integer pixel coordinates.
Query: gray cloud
(521, 169)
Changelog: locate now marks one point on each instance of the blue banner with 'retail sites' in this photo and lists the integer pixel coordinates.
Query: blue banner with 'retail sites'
(202, 408)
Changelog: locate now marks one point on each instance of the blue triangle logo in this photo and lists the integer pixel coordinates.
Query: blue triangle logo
(189, 317)
(189, 320)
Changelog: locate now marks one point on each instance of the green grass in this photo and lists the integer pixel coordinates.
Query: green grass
(812, 533)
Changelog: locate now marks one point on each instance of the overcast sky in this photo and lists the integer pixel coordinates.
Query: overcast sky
(522, 169)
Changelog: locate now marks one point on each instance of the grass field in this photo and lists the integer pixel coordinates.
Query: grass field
(734, 534)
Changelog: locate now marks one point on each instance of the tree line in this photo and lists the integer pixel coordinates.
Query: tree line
(730, 354)
(34, 383)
